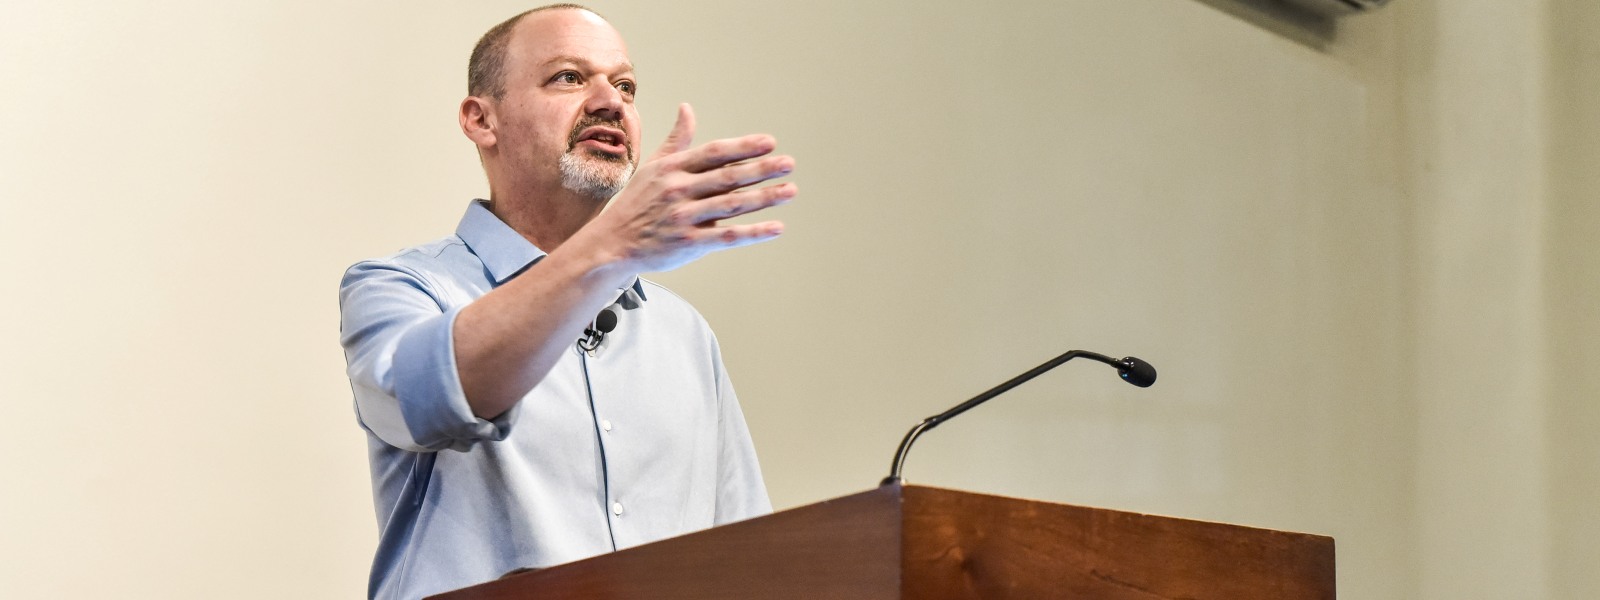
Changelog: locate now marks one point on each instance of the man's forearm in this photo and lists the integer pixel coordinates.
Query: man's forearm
(509, 339)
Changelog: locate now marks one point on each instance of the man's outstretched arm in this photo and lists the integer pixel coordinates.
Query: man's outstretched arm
(667, 216)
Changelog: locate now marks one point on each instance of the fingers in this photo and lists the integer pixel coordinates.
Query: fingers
(739, 203)
(723, 237)
(727, 151)
(682, 134)
(733, 177)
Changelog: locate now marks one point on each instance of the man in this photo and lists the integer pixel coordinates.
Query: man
(495, 441)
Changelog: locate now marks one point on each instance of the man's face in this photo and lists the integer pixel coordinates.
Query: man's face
(568, 107)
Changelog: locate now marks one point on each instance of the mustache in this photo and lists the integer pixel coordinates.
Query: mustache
(591, 121)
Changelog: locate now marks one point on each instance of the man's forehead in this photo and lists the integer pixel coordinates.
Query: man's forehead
(571, 36)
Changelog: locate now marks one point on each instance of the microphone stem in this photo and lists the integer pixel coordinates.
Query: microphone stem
(934, 421)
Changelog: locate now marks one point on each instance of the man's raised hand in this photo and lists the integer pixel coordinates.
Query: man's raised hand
(669, 214)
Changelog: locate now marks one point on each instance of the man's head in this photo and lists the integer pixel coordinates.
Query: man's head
(551, 103)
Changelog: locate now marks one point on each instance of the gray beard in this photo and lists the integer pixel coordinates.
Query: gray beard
(593, 176)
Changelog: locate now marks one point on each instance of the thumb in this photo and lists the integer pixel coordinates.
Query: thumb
(682, 134)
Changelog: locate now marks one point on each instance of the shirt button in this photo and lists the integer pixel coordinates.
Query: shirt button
(616, 508)
(605, 424)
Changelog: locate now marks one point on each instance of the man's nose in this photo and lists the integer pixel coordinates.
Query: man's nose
(605, 101)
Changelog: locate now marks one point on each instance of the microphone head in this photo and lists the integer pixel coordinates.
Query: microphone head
(1136, 371)
(607, 321)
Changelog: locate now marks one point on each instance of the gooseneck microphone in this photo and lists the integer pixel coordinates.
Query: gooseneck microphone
(596, 331)
(1133, 370)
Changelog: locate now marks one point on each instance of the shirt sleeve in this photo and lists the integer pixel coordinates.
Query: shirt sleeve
(741, 492)
(400, 356)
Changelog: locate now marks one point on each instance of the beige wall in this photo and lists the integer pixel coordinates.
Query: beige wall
(1476, 123)
(1361, 266)
(1572, 295)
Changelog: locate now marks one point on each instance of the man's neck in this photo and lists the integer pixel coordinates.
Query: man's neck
(546, 218)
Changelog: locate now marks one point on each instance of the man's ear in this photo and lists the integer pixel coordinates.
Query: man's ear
(477, 122)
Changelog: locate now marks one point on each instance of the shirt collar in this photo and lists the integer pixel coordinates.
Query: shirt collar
(504, 252)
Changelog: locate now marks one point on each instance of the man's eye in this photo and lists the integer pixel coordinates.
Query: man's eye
(626, 87)
(566, 77)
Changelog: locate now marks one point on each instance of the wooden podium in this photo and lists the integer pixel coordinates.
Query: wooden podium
(919, 543)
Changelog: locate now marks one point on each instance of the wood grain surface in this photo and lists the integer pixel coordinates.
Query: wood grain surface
(971, 546)
(918, 543)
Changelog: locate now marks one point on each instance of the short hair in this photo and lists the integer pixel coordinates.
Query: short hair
(486, 70)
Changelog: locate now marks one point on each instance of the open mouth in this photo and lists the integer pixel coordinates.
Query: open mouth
(604, 139)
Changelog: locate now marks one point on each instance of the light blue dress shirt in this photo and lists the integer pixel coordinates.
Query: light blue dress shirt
(640, 440)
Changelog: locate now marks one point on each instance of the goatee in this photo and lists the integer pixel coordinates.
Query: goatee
(598, 175)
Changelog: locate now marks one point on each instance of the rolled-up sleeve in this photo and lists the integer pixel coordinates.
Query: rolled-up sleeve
(400, 351)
